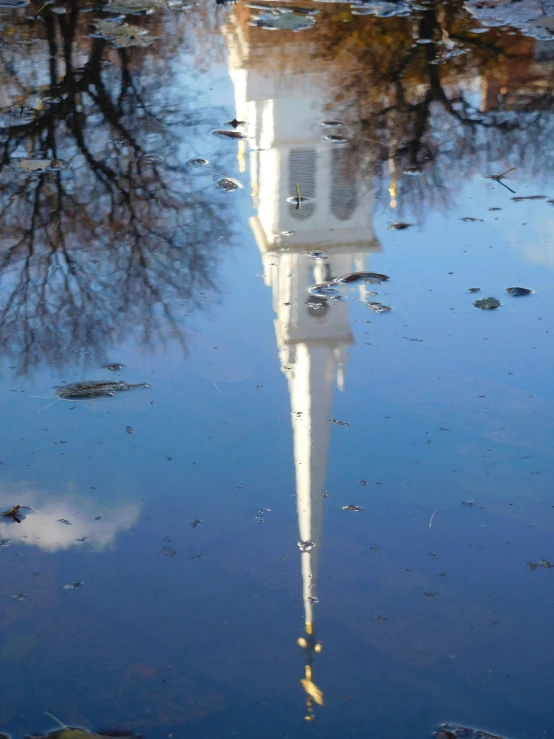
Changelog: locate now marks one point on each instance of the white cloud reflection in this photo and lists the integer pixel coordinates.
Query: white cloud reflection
(90, 523)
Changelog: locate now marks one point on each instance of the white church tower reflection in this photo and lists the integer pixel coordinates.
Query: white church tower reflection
(332, 235)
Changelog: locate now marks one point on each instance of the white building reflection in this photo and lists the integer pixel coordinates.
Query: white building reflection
(282, 104)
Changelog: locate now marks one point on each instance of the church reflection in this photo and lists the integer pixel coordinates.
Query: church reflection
(330, 236)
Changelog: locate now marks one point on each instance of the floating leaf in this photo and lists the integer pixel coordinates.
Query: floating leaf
(487, 304)
(124, 34)
(135, 7)
(228, 185)
(374, 278)
(400, 226)
(280, 20)
(224, 134)
(378, 307)
(517, 292)
(38, 166)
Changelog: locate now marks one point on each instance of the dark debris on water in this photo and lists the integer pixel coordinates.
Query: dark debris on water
(517, 292)
(541, 563)
(487, 304)
(453, 731)
(95, 388)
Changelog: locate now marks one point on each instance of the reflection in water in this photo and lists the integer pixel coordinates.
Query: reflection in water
(55, 523)
(115, 243)
(426, 110)
(327, 238)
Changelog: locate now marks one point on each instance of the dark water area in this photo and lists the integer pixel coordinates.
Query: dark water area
(328, 509)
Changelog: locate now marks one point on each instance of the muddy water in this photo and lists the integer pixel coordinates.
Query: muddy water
(331, 510)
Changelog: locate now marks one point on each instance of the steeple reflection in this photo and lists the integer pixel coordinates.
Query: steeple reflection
(329, 236)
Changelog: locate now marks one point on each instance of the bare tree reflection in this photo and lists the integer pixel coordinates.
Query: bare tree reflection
(431, 94)
(114, 244)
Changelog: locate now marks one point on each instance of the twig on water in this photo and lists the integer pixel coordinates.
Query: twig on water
(499, 177)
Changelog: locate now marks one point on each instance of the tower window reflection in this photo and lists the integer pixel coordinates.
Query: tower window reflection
(344, 193)
(302, 172)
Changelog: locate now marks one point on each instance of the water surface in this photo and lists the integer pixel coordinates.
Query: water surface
(217, 585)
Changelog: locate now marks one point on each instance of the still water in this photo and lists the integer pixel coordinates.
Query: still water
(331, 512)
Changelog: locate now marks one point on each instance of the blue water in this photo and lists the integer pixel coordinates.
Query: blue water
(177, 509)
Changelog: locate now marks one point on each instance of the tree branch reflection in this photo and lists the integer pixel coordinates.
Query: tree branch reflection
(116, 243)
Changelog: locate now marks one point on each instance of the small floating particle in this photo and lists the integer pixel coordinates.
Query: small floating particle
(373, 278)
(339, 423)
(313, 599)
(152, 158)
(516, 292)
(114, 367)
(38, 166)
(227, 184)
(316, 254)
(430, 595)
(195, 523)
(541, 563)
(129, 430)
(235, 123)
(332, 124)
(400, 226)
(334, 139)
(20, 596)
(295, 200)
(13, 3)
(355, 508)
(227, 134)
(519, 198)
(306, 546)
(326, 290)
(469, 219)
(378, 307)
(474, 289)
(65, 522)
(487, 304)
(199, 163)
(13, 513)
(74, 585)
(452, 731)
(468, 503)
